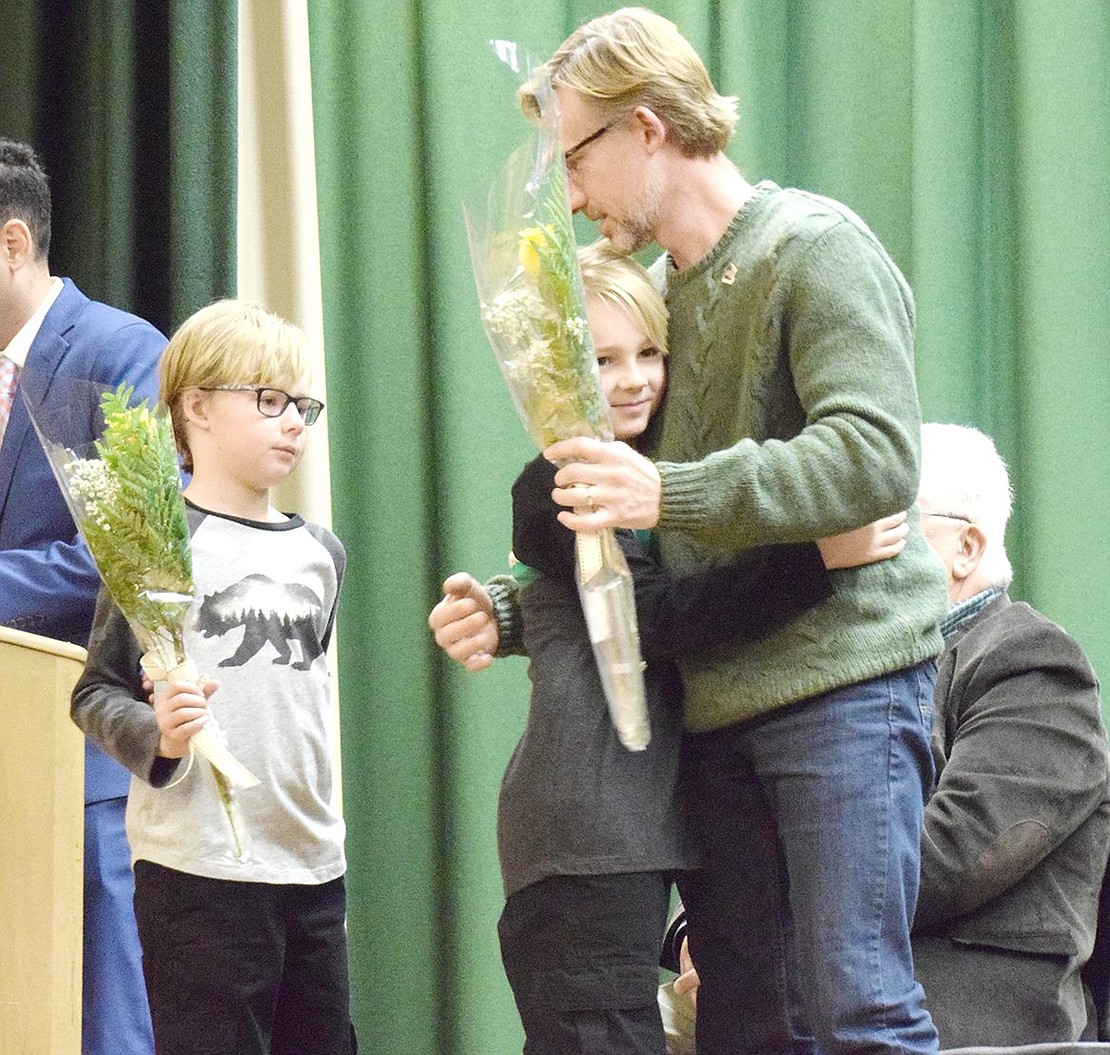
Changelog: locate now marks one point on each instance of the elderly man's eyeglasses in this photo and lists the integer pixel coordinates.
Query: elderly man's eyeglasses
(949, 516)
(273, 402)
(581, 145)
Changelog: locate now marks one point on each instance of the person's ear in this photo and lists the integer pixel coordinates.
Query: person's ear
(16, 243)
(650, 126)
(969, 552)
(194, 407)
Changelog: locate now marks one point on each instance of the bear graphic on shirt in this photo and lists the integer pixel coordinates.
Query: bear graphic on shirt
(269, 612)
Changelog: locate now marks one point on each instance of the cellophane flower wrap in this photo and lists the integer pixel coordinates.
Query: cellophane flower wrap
(124, 491)
(524, 257)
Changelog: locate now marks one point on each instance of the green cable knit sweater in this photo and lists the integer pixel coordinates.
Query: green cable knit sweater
(792, 414)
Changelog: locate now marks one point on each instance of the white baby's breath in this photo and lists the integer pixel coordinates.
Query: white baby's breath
(96, 487)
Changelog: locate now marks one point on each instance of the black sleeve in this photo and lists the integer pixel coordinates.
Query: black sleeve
(672, 942)
(539, 540)
(108, 703)
(742, 599)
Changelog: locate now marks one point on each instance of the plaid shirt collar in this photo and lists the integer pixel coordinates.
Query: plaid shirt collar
(963, 612)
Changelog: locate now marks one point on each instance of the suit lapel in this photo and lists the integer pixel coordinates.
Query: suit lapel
(43, 359)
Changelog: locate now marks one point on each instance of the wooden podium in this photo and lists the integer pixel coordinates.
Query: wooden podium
(42, 766)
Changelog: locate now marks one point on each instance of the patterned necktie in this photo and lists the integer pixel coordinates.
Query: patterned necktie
(7, 392)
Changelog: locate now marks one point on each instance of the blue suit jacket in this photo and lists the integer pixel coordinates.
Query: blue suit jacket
(48, 582)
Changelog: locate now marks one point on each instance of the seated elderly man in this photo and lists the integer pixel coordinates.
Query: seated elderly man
(1018, 826)
(1017, 829)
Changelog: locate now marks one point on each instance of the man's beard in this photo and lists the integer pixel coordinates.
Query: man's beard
(637, 230)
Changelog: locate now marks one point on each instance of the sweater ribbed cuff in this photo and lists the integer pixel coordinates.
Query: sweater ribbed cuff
(684, 494)
(504, 592)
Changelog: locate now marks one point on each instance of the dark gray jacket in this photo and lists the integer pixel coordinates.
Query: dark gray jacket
(1016, 833)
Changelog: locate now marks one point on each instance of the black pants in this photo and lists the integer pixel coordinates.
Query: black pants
(582, 957)
(244, 968)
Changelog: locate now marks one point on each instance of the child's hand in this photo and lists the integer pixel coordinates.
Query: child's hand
(181, 711)
(879, 540)
(463, 622)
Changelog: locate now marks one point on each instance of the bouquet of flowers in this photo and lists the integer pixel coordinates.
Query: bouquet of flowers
(124, 491)
(523, 254)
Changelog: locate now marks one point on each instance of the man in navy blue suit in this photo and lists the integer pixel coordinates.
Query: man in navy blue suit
(54, 335)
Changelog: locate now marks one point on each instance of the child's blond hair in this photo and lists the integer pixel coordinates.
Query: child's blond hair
(622, 281)
(230, 342)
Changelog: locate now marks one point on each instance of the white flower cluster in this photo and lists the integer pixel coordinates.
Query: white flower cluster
(95, 486)
(536, 348)
(532, 368)
(516, 315)
(577, 328)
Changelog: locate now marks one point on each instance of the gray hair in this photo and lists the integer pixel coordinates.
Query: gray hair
(963, 475)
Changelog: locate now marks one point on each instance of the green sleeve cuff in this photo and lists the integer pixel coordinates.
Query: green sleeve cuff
(683, 503)
(504, 592)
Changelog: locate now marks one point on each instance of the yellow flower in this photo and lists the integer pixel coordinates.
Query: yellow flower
(532, 240)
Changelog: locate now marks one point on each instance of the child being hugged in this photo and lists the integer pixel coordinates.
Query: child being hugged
(590, 834)
(243, 954)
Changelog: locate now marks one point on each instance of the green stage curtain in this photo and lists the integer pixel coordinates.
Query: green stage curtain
(131, 106)
(971, 136)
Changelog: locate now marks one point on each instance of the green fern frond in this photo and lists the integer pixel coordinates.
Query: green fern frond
(135, 523)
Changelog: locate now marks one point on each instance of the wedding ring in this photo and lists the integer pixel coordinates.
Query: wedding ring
(586, 491)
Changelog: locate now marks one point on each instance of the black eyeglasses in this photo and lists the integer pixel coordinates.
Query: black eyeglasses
(593, 137)
(273, 402)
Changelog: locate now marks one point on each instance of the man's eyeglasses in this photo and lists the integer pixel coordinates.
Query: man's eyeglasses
(273, 402)
(593, 137)
(949, 516)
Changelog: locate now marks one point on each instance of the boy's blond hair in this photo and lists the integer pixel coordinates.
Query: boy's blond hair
(230, 342)
(634, 57)
(621, 281)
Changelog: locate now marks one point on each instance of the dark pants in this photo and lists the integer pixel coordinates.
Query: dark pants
(244, 968)
(582, 956)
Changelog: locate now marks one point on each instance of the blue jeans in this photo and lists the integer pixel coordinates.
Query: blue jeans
(809, 820)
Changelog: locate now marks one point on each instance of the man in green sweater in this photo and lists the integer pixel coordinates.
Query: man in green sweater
(792, 414)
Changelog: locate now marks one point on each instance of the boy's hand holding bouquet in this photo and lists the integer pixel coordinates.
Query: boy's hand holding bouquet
(124, 492)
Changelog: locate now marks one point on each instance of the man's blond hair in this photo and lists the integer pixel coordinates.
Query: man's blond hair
(230, 342)
(634, 57)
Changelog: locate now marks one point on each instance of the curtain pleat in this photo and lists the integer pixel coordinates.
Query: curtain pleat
(131, 106)
(973, 137)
